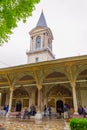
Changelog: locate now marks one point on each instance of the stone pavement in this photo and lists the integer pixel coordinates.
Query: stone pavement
(31, 124)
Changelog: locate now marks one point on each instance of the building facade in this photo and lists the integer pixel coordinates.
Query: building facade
(44, 80)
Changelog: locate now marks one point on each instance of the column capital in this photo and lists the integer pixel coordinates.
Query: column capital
(73, 83)
(39, 86)
(11, 89)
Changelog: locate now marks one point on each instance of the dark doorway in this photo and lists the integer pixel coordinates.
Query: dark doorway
(59, 104)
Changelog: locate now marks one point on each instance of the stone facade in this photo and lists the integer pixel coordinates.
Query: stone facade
(50, 82)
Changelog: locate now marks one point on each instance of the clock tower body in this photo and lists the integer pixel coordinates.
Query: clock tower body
(40, 42)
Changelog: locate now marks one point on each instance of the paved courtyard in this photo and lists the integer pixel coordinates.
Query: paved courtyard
(31, 124)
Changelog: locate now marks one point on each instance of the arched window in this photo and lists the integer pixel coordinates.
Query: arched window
(38, 42)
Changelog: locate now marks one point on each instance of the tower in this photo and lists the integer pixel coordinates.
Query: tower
(40, 42)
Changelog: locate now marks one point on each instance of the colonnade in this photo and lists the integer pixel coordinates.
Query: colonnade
(73, 85)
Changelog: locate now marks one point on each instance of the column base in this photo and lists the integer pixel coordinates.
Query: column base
(8, 114)
(38, 116)
(75, 113)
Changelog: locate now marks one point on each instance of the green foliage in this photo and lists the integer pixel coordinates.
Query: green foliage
(12, 11)
(78, 124)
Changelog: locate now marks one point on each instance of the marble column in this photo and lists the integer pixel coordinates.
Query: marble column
(73, 84)
(39, 100)
(39, 114)
(10, 101)
(42, 101)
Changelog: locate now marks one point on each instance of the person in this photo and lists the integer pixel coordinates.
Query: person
(49, 111)
(26, 114)
(32, 110)
(59, 110)
(66, 116)
(68, 110)
(84, 111)
(45, 110)
(80, 110)
(6, 109)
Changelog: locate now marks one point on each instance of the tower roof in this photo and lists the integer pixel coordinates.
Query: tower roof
(42, 21)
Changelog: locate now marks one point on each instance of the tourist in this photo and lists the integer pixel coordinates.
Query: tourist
(84, 111)
(32, 110)
(80, 110)
(6, 109)
(66, 116)
(59, 110)
(25, 114)
(45, 110)
(49, 111)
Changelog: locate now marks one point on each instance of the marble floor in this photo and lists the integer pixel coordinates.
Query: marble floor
(31, 124)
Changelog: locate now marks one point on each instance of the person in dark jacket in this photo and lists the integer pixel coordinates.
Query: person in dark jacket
(49, 111)
(45, 108)
(6, 109)
(80, 110)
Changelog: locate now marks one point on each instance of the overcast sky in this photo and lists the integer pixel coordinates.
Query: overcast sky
(67, 20)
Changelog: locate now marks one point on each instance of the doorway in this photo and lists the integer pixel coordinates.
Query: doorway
(59, 104)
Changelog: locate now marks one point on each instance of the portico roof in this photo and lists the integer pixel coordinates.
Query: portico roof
(54, 71)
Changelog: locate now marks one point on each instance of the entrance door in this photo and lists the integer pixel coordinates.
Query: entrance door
(59, 104)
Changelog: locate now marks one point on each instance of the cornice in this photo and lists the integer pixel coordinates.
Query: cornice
(60, 62)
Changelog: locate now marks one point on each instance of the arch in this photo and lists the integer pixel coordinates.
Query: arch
(23, 76)
(20, 95)
(58, 90)
(20, 92)
(56, 75)
(53, 69)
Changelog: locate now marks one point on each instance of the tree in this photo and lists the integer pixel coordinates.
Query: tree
(12, 11)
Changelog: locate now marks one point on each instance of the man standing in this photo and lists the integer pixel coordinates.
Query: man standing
(45, 110)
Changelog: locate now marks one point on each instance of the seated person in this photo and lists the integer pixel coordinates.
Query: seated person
(26, 114)
(32, 110)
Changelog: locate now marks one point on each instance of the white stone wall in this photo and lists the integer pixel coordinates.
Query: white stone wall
(43, 56)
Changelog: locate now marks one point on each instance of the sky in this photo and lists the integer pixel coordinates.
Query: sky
(67, 20)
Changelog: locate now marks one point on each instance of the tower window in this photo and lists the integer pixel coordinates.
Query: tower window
(36, 59)
(38, 42)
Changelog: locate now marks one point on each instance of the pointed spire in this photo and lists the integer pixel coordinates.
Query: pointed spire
(41, 22)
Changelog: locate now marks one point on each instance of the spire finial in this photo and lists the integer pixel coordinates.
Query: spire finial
(42, 21)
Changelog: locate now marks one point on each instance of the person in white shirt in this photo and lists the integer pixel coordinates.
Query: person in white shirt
(85, 111)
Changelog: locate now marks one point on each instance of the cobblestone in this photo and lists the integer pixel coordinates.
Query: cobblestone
(31, 124)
